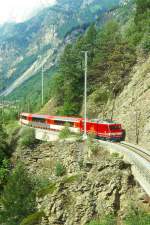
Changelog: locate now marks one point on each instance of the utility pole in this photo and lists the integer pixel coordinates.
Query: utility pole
(85, 95)
(42, 85)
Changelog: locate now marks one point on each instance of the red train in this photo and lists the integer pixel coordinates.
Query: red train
(102, 129)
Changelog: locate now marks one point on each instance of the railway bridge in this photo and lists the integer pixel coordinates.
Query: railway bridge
(138, 157)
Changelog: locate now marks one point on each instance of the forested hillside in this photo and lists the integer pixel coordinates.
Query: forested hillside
(71, 181)
(27, 46)
(113, 50)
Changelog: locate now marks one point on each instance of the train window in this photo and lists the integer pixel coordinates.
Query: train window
(64, 123)
(23, 117)
(60, 123)
(71, 124)
(38, 120)
(115, 127)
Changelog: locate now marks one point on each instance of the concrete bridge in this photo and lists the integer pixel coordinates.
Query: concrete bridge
(46, 135)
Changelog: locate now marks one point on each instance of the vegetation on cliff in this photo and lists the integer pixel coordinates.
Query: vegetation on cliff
(111, 56)
(4, 157)
(18, 197)
(96, 177)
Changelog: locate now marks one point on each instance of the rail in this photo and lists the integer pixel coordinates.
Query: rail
(138, 150)
(139, 159)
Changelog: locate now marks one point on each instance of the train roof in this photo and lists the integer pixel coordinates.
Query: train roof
(99, 121)
(70, 119)
(58, 118)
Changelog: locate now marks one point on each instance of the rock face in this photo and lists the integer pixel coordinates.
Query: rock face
(95, 182)
(132, 107)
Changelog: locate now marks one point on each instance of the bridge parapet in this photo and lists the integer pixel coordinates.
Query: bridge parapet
(140, 166)
(45, 135)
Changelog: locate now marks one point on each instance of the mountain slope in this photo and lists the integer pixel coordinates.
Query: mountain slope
(44, 35)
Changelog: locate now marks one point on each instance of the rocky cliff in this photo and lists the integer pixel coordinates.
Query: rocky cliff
(94, 183)
(132, 106)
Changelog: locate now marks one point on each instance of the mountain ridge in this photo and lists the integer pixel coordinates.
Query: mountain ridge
(47, 32)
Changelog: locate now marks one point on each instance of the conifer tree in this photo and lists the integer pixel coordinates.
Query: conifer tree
(18, 198)
(3, 143)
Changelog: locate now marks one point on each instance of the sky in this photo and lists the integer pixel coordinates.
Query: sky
(19, 10)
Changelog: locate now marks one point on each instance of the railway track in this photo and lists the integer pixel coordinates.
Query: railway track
(138, 150)
(139, 159)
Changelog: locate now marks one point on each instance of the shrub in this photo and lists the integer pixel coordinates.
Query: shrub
(137, 217)
(60, 169)
(81, 163)
(115, 155)
(92, 144)
(145, 44)
(41, 182)
(106, 220)
(27, 138)
(94, 148)
(3, 143)
(18, 198)
(65, 132)
(78, 137)
(4, 171)
(47, 190)
(32, 219)
(71, 179)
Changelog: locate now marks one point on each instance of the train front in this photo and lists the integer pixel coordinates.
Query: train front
(116, 133)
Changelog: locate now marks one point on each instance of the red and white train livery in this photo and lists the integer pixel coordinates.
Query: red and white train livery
(102, 129)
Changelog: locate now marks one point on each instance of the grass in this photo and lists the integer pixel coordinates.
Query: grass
(12, 126)
(115, 155)
(27, 137)
(59, 169)
(65, 133)
(33, 219)
(137, 217)
(105, 220)
(92, 144)
(47, 190)
(71, 179)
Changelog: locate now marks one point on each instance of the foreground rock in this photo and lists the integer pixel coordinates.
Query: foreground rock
(95, 183)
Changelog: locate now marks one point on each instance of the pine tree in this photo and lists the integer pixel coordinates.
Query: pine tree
(90, 42)
(142, 11)
(18, 198)
(72, 80)
(3, 143)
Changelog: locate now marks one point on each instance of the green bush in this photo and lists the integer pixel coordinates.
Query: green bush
(18, 197)
(64, 133)
(137, 217)
(81, 163)
(49, 189)
(4, 171)
(27, 137)
(92, 144)
(145, 44)
(60, 169)
(33, 219)
(115, 155)
(41, 182)
(71, 179)
(106, 220)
